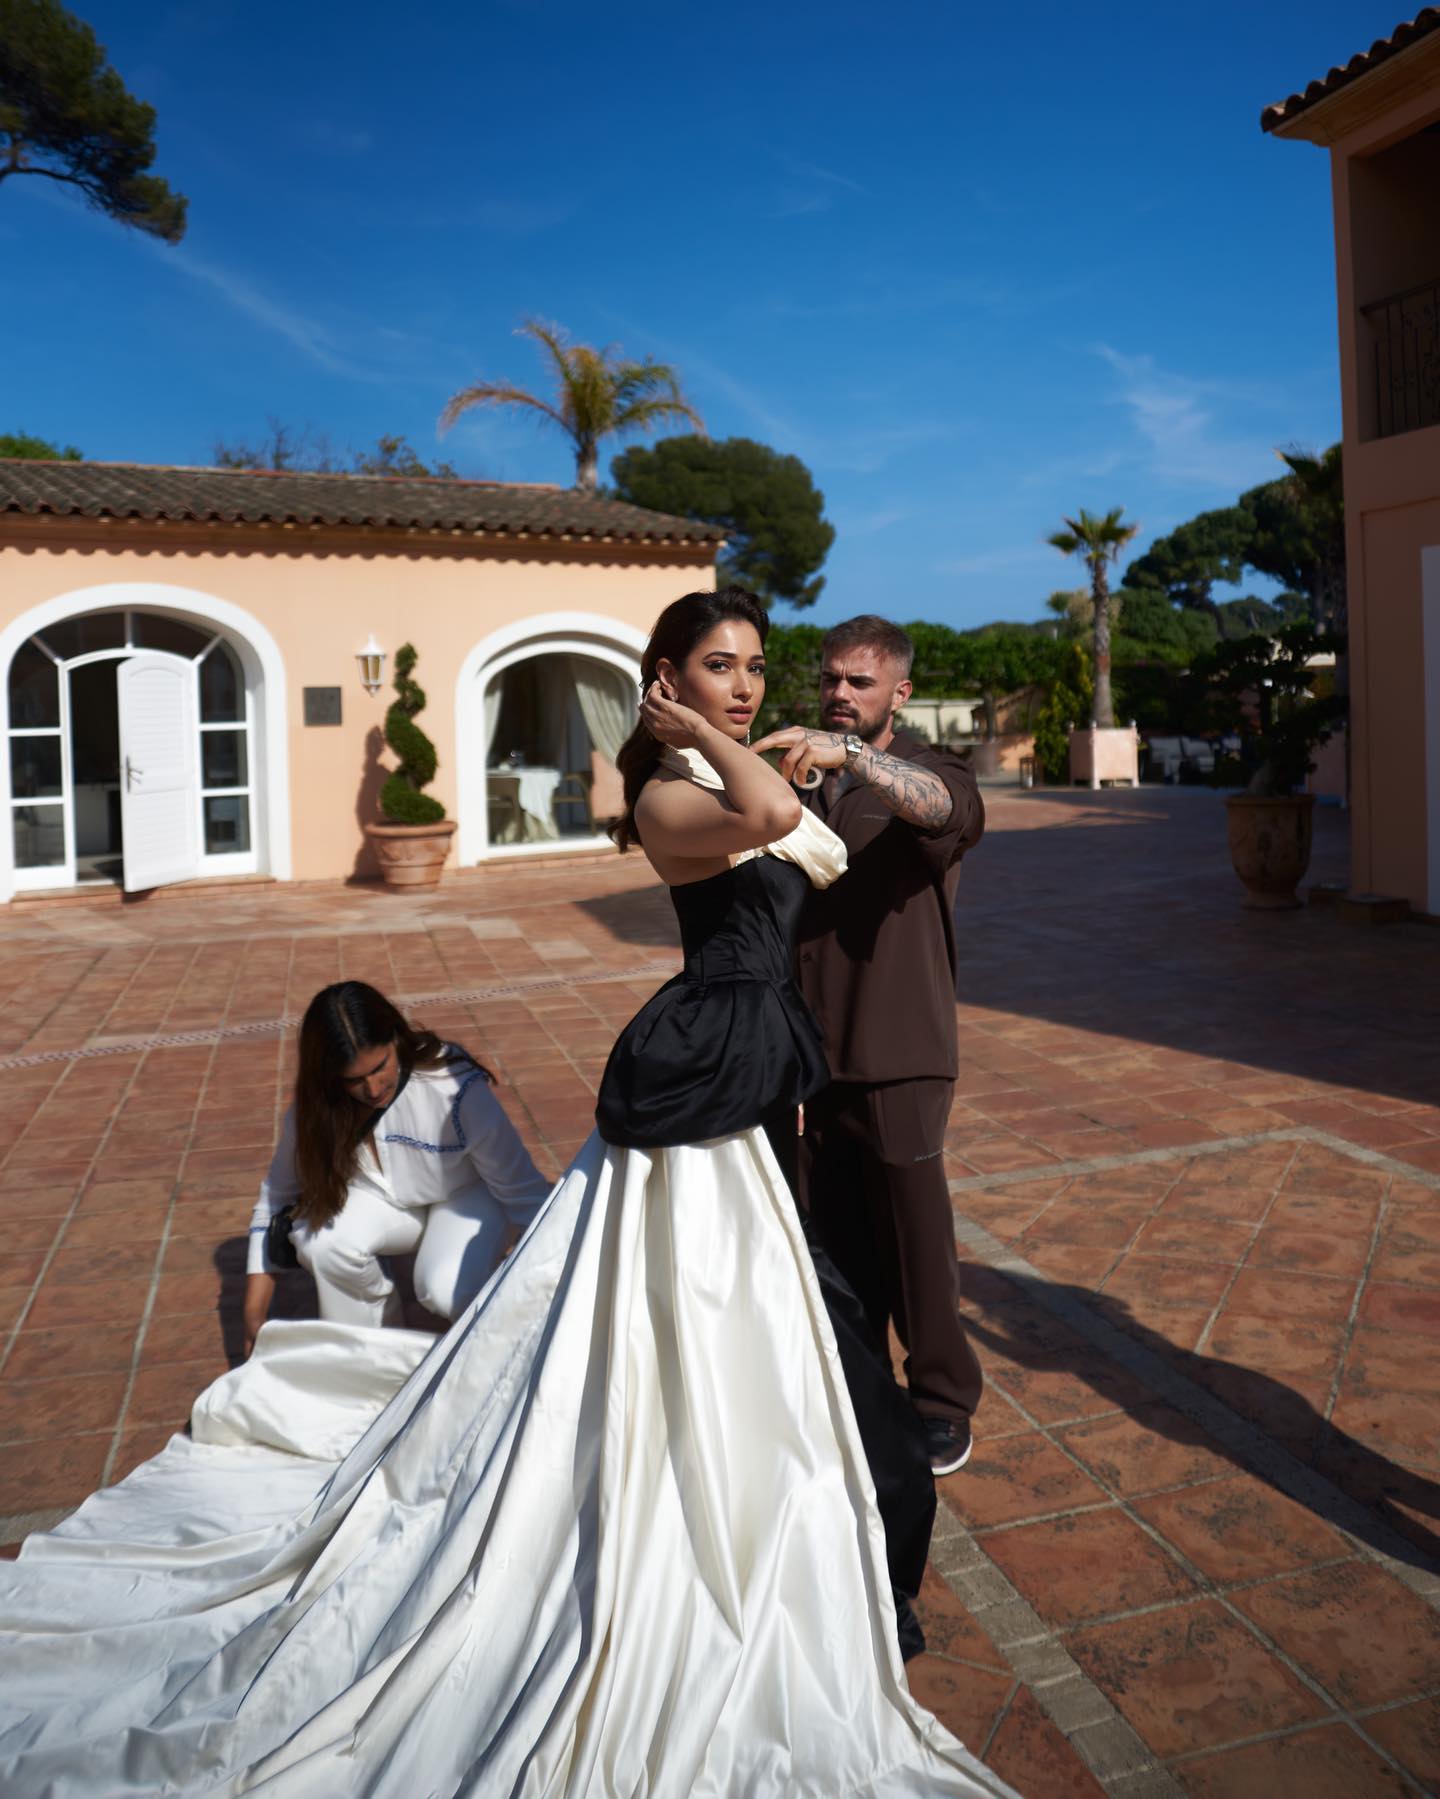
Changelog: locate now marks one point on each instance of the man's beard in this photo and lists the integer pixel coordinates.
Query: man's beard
(848, 726)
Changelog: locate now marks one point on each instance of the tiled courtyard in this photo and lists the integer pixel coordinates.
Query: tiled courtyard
(1195, 1155)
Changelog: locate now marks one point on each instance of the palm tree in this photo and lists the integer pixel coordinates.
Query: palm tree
(1097, 542)
(597, 394)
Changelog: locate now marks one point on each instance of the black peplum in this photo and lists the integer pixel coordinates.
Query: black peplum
(729, 1042)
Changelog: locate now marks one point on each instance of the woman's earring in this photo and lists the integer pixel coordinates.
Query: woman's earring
(747, 739)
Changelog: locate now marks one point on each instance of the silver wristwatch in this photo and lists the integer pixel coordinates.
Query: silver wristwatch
(853, 747)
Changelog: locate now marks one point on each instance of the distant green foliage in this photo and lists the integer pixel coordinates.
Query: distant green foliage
(792, 677)
(1266, 689)
(21, 446)
(767, 503)
(1250, 615)
(401, 800)
(993, 662)
(1151, 628)
(1069, 702)
(1299, 531)
(1186, 564)
(310, 452)
(396, 455)
(1291, 529)
(66, 116)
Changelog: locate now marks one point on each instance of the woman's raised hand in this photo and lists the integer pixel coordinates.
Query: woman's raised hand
(667, 720)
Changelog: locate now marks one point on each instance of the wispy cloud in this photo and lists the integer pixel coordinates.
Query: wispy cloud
(867, 449)
(519, 218)
(699, 370)
(338, 140)
(1007, 556)
(811, 187)
(1188, 426)
(1086, 465)
(867, 524)
(862, 448)
(795, 203)
(306, 334)
(812, 171)
(888, 293)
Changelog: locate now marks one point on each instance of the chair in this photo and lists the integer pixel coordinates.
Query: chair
(1165, 758)
(571, 790)
(1199, 755)
(503, 818)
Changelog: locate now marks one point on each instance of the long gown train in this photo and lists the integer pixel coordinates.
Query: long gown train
(612, 1534)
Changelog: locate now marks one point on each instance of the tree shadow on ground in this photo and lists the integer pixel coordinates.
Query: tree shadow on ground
(1125, 920)
(1037, 1336)
(644, 915)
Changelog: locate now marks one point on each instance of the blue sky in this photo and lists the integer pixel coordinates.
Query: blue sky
(977, 266)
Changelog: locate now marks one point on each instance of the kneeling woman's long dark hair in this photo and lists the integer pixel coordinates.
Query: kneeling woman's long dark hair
(677, 630)
(341, 1023)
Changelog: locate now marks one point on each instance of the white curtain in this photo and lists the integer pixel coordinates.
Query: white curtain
(493, 695)
(606, 702)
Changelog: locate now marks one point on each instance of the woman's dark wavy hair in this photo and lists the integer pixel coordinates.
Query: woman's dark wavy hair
(341, 1023)
(682, 625)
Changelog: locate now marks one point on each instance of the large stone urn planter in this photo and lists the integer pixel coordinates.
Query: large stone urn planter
(1270, 842)
(411, 855)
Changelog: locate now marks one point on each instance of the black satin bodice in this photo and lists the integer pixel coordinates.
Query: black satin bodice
(728, 1043)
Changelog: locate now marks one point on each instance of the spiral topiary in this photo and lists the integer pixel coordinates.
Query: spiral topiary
(401, 800)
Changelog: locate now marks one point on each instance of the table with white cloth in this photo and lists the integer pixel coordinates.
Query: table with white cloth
(535, 790)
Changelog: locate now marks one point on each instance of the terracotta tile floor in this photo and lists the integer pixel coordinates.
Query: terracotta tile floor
(1195, 1158)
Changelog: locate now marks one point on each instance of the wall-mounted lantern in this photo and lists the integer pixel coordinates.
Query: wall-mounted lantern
(372, 665)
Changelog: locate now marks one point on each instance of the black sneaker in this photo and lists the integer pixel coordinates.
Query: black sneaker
(949, 1443)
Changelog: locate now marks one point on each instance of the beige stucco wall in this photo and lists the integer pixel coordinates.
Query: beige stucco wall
(1392, 502)
(321, 598)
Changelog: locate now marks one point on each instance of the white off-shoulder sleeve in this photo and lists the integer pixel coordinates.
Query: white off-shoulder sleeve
(811, 846)
(497, 1155)
(280, 1186)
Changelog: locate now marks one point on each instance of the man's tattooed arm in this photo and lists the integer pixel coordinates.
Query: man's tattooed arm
(911, 793)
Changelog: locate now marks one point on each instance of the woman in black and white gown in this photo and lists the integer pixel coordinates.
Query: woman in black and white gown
(611, 1535)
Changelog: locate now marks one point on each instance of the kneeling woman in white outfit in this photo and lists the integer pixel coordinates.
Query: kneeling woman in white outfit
(395, 1142)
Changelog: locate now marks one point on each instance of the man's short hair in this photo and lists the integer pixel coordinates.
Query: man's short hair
(871, 632)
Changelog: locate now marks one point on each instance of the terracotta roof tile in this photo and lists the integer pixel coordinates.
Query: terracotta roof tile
(132, 490)
(1401, 38)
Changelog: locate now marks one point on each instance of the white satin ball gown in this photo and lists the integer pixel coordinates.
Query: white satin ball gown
(611, 1535)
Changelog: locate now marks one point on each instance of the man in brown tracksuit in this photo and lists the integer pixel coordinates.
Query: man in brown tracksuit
(877, 965)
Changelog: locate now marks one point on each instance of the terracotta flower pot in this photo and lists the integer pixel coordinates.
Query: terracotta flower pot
(1270, 847)
(411, 855)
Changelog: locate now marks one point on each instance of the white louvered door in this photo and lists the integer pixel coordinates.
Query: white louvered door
(159, 782)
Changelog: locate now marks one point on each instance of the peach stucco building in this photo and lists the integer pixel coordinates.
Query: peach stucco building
(179, 683)
(1379, 117)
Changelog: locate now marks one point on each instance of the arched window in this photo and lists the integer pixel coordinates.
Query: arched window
(65, 751)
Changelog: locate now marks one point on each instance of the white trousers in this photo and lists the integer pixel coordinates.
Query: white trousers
(458, 1244)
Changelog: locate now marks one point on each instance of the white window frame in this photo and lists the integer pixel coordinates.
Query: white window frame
(55, 874)
(587, 634)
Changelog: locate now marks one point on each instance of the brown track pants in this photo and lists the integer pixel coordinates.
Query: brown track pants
(872, 1175)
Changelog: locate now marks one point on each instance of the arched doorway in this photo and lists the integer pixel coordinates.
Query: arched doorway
(542, 707)
(141, 739)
